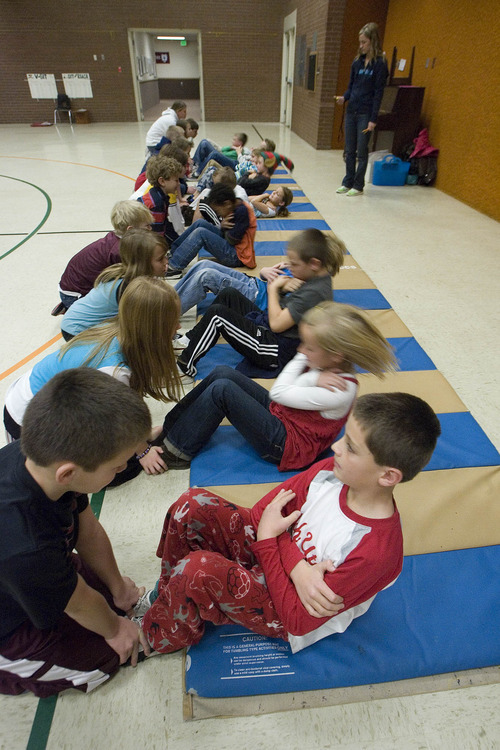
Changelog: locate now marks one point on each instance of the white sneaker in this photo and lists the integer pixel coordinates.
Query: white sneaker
(180, 341)
(143, 604)
(352, 192)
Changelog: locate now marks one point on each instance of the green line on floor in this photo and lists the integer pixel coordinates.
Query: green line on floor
(41, 723)
(47, 213)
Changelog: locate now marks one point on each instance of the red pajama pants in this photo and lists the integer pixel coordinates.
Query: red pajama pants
(208, 574)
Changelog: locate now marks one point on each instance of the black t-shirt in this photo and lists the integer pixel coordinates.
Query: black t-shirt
(254, 186)
(37, 536)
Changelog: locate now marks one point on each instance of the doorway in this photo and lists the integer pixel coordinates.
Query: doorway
(288, 68)
(165, 70)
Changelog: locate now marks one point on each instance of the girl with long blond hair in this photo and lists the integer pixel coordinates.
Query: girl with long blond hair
(142, 253)
(135, 347)
(364, 94)
(308, 404)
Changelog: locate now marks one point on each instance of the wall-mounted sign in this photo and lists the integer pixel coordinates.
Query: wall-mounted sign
(162, 57)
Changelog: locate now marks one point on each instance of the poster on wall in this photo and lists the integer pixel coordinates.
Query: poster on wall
(77, 85)
(42, 85)
(162, 57)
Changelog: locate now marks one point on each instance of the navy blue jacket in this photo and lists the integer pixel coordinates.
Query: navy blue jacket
(366, 86)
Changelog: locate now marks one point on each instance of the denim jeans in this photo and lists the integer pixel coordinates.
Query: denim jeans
(205, 151)
(356, 144)
(225, 393)
(200, 235)
(68, 299)
(207, 276)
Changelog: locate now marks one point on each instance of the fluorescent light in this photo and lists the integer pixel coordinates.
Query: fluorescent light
(172, 38)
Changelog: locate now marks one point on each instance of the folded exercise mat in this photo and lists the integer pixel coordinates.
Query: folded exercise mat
(227, 458)
(431, 621)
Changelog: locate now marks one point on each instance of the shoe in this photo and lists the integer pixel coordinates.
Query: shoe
(174, 462)
(174, 273)
(352, 192)
(179, 342)
(143, 604)
(59, 309)
(342, 189)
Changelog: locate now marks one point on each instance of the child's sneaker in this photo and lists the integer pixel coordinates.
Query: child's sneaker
(173, 461)
(59, 309)
(352, 192)
(342, 189)
(143, 604)
(180, 341)
(173, 273)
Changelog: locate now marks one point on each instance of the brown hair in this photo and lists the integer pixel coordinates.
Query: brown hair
(162, 166)
(400, 430)
(328, 249)
(148, 315)
(137, 248)
(84, 416)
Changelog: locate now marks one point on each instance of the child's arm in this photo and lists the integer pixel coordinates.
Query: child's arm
(90, 610)
(260, 205)
(269, 273)
(279, 317)
(88, 607)
(299, 388)
(311, 591)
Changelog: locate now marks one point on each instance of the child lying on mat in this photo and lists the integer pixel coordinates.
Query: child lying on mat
(311, 555)
(269, 339)
(272, 204)
(307, 406)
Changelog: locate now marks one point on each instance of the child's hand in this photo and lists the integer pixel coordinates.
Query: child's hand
(128, 595)
(269, 273)
(152, 463)
(272, 522)
(339, 100)
(126, 641)
(280, 280)
(291, 284)
(227, 222)
(316, 596)
(331, 381)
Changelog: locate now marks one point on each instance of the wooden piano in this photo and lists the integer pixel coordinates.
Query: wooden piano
(400, 109)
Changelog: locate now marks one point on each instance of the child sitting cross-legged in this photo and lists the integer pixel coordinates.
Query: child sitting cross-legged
(311, 555)
(308, 403)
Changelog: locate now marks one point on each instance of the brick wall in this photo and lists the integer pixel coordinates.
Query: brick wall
(241, 54)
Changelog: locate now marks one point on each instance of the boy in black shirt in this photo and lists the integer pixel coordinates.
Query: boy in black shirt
(63, 622)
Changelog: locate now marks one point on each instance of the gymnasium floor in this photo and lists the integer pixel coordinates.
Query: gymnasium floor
(433, 258)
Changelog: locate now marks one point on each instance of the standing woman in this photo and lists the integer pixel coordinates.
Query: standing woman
(364, 94)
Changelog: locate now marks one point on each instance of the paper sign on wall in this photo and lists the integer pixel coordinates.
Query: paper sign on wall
(77, 85)
(42, 85)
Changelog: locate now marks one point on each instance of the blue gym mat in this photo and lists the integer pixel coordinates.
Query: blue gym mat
(440, 616)
(462, 444)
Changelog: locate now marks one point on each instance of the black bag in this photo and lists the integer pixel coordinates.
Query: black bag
(427, 170)
(63, 101)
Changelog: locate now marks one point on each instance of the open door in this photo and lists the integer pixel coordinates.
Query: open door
(288, 68)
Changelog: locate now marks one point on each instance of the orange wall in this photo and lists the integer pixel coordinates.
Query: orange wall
(462, 91)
